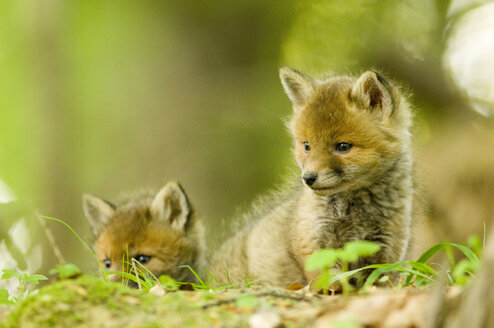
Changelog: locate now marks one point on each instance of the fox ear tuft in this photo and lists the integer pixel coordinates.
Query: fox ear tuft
(98, 212)
(372, 92)
(171, 205)
(298, 87)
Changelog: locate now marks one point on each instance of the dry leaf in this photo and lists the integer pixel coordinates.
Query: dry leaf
(295, 286)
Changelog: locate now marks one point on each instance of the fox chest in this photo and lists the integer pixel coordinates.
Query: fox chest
(340, 220)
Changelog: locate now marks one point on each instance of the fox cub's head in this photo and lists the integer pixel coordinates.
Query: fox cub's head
(158, 231)
(347, 131)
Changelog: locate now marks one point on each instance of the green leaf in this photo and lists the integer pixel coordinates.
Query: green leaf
(4, 293)
(168, 283)
(24, 276)
(383, 279)
(475, 244)
(321, 259)
(378, 272)
(422, 267)
(323, 281)
(470, 255)
(65, 271)
(8, 273)
(35, 278)
(4, 297)
(355, 249)
(362, 247)
(438, 247)
(344, 275)
(463, 271)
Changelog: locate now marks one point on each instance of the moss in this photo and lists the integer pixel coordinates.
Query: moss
(68, 302)
(92, 302)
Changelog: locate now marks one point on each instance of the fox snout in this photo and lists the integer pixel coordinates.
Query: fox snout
(327, 181)
(309, 178)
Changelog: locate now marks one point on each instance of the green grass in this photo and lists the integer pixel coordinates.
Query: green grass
(417, 273)
(23, 281)
(136, 272)
(79, 238)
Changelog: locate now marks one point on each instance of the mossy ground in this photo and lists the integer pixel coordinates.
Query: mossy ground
(92, 302)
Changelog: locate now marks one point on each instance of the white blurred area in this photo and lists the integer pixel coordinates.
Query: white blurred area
(469, 55)
(31, 254)
(6, 195)
(7, 261)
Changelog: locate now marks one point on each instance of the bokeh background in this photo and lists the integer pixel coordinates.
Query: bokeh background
(109, 96)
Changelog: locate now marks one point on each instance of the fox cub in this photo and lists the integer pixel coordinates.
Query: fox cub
(158, 230)
(353, 146)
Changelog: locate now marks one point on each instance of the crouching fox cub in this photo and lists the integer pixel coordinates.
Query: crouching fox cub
(158, 230)
(353, 146)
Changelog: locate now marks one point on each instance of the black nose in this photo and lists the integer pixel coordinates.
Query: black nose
(309, 178)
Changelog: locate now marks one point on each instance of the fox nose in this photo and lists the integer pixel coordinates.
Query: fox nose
(309, 178)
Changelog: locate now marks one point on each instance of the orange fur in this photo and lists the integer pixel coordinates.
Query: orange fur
(363, 193)
(170, 237)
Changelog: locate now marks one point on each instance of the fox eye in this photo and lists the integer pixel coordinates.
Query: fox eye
(306, 146)
(143, 259)
(343, 147)
(107, 264)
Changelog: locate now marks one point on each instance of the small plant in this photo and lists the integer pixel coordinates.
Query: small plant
(135, 273)
(168, 283)
(326, 259)
(417, 273)
(214, 283)
(5, 298)
(204, 284)
(66, 271)
(23, 279)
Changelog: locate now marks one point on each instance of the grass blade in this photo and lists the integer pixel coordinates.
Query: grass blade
(80, 239)
(438, 247)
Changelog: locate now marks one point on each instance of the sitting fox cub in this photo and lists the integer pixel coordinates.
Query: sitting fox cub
(159, 231)
(353, 146)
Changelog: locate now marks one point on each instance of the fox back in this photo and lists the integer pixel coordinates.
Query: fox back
(160, 231)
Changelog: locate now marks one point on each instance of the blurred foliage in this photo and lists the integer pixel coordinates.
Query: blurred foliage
(345, 36)
(106, 97)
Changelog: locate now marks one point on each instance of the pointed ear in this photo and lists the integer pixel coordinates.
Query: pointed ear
(171, 205)
(98, 212)
(372, 92)
(298, 87)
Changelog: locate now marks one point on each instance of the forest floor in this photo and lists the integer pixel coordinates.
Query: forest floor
(92, 302)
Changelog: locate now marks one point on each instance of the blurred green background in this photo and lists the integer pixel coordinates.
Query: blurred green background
(110, 96)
